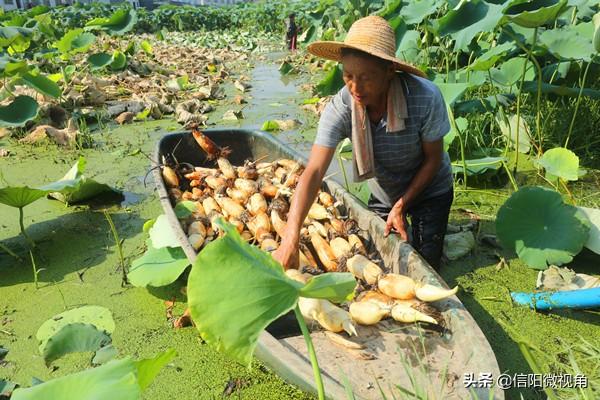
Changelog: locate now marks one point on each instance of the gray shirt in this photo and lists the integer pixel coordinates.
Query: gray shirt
(398, 155)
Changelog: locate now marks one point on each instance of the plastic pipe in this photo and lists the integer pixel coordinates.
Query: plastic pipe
(575, 299)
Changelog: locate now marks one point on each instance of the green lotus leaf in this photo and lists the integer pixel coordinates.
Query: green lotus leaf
(510, 72)
(285, 68)
(596, 38)
(491, 57)
(113, 380)
(332, 82)
(331, 286)
(158, 267)
(414, 12)
(452, 91)
(74, 338)
(119, 23)
(162, 234)
(100, 317)
(105, 354)
(531, 87)
(345, 149)
(270, 126)
(131, 48)
(12, 34)
(234, 291)
(99, 60)
(534, 13)
(20, 111)
(408, 46)
(468, 20)
(20, 196)
(41, 84)
(560, 162)
(75, 41)
(148, 369)
(457, 125)
(184, 209)
(146, 47)
(11, 66)
(567, 44)
(6, 388)
(119, 61)
(593, 242)
(509, 130)
(478, 166)
(75, 187)
(541, 228)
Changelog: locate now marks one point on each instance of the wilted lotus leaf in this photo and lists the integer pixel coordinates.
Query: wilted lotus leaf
(541, 228)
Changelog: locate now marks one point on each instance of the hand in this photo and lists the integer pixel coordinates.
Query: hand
(287, 254)
(396, 221)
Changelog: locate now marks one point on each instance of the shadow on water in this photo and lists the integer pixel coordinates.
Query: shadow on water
(81, 237)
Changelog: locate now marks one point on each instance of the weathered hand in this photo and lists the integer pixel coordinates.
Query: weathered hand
(397, 222)
(287, 254)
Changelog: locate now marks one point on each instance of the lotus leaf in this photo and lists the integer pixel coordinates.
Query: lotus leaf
(146, 47)
(270, 126)
(162, 234)
(531, 87)
(75, 41)
(10, 34)
(98, 316)
(408, 48)
(414, 12)
(509, 130)
(158, 267)
(452, 91)
(469, 19)
(147, 369)
(510, 72)
(114, 380)
(534, 13)
(21, 110)
(99, 60)
(235, 290)
(593, 242)
(596, 38)
(11, 66)
(74, 338)
(118, 61)
(121, 22)
(20, 196)
(104, 355)
(337, 287)
(567, 44)
(478, 166)
(42, 84)
(331, 83)
(541, 228)
(491, 57)
(560, 162)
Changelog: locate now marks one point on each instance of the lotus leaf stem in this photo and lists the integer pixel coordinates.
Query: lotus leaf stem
(31, 242)
(577, 102)
(115, 234)
(9, 251)
(311, 353)
(35, 270)
(339, 157)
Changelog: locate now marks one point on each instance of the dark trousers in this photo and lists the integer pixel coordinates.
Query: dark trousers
(428, 220)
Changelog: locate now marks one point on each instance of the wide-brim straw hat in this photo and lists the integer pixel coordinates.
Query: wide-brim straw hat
(372, 35)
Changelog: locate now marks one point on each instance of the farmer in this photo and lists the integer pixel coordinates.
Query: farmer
(291, 32)
(396, 120)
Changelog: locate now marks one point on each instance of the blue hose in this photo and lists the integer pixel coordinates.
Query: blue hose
(576, 299)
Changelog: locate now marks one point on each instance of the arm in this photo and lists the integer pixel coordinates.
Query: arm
(431, 164)
(304, 195)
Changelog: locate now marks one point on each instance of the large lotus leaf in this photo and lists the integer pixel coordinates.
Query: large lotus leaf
(332, 286)
(510, 72)
(555, 71)
(408, 47)
(332, 82)
(75, 41)
(105, 354)
(415, 11)
(115, 380)
(468, 20)
(509, 130)
(11, 66)
(99, 60)
(541, 228)
(162, 234)
(158, 267)
(74, 187)
(74, 338)
(451, 92)
(534, 13)
(483, 105)
(234, 291)
(147, 369)
(478, 166)
(567, 44)
(596, 38)
(20, 111)
(20, 196)
(100, 317)
(457, 125)
(560, 162)
(11, 34)
(593, 242)
(488, 59)
(42, 84)
(531, 87)
(121, 22)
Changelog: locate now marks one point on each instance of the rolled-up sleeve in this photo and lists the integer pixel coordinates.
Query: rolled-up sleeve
(335, 122)
(436, 123)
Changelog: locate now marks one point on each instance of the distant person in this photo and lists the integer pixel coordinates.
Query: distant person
(292, 32)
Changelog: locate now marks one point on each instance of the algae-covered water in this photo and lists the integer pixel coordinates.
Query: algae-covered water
(79, 262)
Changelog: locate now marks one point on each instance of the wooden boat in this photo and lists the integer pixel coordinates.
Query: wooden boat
(396, 358)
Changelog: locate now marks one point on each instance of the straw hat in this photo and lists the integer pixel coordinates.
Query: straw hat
(372, 35)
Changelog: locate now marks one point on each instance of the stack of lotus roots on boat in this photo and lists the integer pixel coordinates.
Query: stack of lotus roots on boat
(255, 198)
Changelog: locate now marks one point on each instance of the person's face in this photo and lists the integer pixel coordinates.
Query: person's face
(367, 79)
